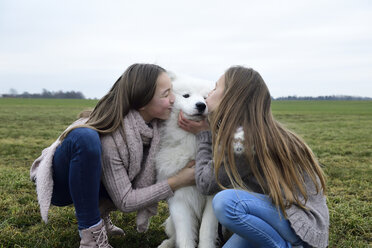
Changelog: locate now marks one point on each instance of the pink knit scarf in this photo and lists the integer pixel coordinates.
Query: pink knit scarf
(141, 173)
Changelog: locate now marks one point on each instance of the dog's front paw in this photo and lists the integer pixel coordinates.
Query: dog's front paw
(238, 142)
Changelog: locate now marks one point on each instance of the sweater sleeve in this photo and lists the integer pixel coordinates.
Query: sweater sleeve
(312, 224)
(204, 166)
(118, 185)
(204, 172)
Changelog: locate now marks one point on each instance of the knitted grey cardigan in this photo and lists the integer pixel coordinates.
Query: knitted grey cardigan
(310, 225)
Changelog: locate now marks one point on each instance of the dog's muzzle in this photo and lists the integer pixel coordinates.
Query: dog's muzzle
(200, 107)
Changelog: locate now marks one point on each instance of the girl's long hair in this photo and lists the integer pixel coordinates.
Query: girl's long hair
(277, 157)
(133, 90)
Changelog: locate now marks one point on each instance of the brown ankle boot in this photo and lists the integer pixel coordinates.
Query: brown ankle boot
(94, 237)
(111, 228)
(105, 207)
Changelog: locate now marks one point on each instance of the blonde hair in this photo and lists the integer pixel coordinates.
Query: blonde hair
(133, 90)
(280, 159)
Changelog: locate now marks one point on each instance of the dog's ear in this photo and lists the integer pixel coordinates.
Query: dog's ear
(171, 75)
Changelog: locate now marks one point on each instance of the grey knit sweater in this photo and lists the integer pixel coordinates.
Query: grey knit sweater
(310, 225)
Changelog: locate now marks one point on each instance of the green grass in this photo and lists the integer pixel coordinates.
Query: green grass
(339, 132)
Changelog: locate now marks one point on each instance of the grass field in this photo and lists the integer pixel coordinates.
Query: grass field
(339, 132)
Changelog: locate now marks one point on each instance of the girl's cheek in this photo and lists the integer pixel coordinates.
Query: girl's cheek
(166, 103)
(210, 93)
(211, 98)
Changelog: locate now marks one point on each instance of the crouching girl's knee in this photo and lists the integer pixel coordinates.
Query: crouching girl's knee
(87, 139)
(223, 204)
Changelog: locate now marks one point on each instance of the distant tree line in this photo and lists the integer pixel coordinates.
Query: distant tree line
(324, 98)
(46, 94)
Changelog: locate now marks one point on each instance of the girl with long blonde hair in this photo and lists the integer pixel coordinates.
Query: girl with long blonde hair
(273, 195)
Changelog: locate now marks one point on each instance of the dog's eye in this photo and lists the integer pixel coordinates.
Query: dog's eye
(186, 96)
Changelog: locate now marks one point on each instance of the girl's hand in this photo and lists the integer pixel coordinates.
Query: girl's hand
(192, 126)
(185, 177)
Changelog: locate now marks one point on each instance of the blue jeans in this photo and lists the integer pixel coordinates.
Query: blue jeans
(253, 219)
(77, 175)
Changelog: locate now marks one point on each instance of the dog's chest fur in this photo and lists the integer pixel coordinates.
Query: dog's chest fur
(177, 148)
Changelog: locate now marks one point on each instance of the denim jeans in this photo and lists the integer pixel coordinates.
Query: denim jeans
(253, 219)
(77, 175)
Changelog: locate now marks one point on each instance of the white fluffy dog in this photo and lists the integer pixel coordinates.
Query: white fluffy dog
(191, 218)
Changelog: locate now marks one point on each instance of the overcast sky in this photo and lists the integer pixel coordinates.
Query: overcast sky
(303, 48)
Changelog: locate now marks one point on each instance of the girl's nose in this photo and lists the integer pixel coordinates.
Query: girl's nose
(172, 98)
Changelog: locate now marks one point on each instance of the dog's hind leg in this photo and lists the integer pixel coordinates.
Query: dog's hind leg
(171, 232)
(209, 226)
(184, 221)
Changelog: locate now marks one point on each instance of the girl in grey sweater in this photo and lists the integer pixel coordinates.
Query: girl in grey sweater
(106, 160)
(278, 191)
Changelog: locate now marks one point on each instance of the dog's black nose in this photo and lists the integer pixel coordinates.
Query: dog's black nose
(200, 107)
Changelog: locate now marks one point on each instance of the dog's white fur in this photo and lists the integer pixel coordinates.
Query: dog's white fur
(191, 218)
